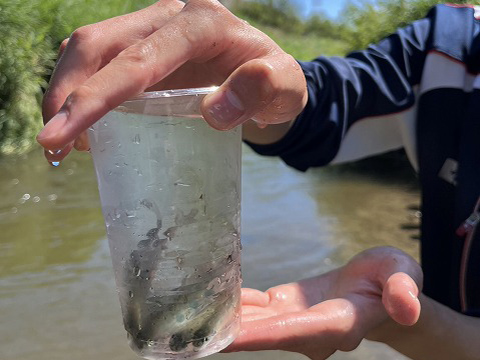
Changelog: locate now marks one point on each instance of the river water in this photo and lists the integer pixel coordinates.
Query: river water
(57, 294)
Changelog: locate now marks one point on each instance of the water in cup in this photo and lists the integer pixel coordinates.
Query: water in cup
(170, 192)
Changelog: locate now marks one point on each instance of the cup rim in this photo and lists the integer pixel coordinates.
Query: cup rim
(163, 94)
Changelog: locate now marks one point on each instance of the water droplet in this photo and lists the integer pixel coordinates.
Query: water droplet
(136, 139)
(137, 271)
(130, 293)
(181, 184)
(52, 197)
(69, 172)
(26, 196)
(15, 181)
(14, 210)
(36, 199)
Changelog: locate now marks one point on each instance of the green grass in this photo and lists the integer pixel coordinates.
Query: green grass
(31, 31)
(25, 55)
(305, 47)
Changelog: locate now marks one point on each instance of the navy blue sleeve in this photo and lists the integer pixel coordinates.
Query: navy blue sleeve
(377, 81)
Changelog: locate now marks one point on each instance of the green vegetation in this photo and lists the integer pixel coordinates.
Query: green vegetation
(304, 39)
(304, 46)
(363, 22)
(32, 30)
(368, 22)
(25, 56)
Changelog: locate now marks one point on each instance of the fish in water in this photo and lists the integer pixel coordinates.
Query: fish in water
(183, 316)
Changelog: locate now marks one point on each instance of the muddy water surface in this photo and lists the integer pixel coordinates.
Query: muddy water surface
(57, 295)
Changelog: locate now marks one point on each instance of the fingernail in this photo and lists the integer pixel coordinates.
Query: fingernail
(226, 108)
(53, 126)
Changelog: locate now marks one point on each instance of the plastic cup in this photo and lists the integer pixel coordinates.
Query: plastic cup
(170, 192)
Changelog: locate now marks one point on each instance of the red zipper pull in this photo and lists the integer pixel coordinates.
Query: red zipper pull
(468, 224)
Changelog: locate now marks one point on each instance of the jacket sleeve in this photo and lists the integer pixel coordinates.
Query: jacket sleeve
(375, 82)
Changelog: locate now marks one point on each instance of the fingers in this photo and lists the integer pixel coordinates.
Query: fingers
(125, 76)
(271, 88)
(93, 46)
(323, 329)
(130, 73)
(263, 89)
(82, 143)
(254, 297)
(62, 48)
(55, 156)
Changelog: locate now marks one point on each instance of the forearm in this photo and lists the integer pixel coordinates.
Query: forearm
(440, 334)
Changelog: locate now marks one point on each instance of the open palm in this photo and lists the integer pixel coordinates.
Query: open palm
(333, 311)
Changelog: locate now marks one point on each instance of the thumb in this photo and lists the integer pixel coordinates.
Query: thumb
(272, 90)
(399, 278)
(400, 298)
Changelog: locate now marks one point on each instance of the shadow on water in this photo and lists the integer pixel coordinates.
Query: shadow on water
(375, 202)
(390, 169)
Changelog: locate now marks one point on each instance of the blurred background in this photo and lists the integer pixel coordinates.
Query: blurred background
(57, 295)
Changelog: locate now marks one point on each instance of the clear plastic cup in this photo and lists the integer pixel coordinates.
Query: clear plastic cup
(170, 192)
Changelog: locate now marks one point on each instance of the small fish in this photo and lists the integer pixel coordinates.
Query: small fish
(189, 315)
